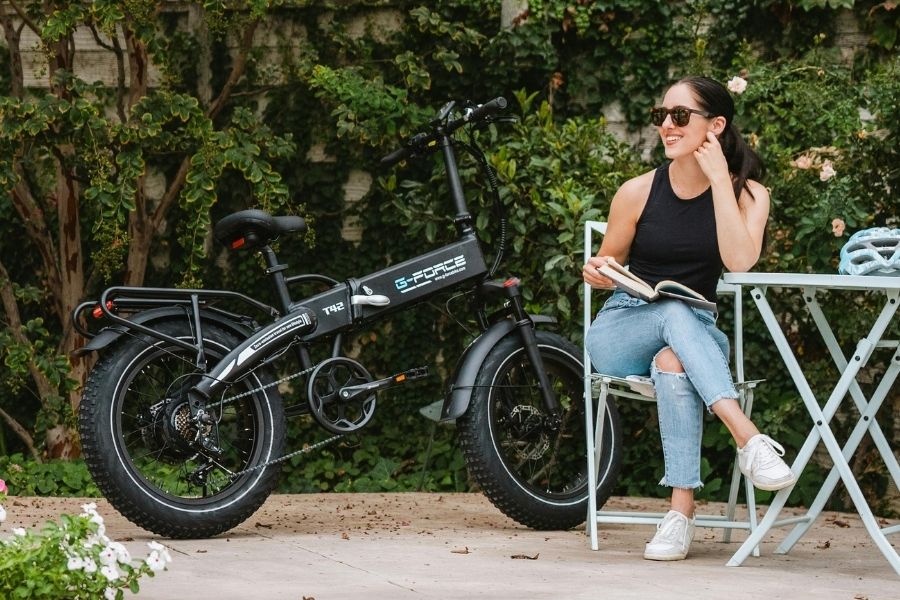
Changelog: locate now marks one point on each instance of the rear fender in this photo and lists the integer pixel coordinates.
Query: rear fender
(457, 401)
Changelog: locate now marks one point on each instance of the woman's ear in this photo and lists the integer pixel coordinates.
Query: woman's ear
(718, 125)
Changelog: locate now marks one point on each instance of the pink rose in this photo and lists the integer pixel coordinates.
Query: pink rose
(827, 171)
(837, 227)
(802, 162)
(737, 85)
(3, 488)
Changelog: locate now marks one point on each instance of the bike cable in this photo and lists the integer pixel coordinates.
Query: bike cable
(499, 209)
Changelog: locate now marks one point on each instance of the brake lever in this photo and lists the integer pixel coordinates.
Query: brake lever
(442, 114)
(503, 119)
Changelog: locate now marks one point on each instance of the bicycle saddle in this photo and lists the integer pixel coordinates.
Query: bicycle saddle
(252, 229)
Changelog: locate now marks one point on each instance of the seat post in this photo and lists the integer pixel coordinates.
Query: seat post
(276, 271)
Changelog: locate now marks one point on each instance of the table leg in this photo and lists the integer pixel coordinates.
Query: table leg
(867, 421)
(888, 313)
(821, 431)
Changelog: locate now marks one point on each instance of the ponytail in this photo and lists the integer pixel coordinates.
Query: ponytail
(743, 162)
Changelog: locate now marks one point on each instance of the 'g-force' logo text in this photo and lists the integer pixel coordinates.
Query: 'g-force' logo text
(449, 267)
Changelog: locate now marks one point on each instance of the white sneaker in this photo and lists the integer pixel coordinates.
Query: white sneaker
(760, 460)
(673, 538)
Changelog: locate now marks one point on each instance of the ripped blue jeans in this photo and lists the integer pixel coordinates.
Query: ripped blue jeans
(624, 340)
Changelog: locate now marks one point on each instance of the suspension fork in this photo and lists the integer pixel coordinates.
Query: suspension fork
(525, 326)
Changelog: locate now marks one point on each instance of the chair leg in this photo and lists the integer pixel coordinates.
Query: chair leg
(594, 433)
(746, 402)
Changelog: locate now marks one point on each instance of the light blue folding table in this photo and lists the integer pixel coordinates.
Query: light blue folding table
(812, 287)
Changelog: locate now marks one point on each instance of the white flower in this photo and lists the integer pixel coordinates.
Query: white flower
(110, 594)
(98, 538)
(108, 556)
(2, 514)
(19, 531)
(161, 550)
(121, 551)
(89, 509)
(75, 563)
(155, 562)
(111, 572)
(827, 171)
(90, 566)
(737, 85)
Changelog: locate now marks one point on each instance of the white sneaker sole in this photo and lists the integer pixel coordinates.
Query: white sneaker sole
(776, 485)
(651, 556)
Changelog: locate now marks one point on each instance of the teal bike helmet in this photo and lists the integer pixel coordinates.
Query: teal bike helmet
(874, 251)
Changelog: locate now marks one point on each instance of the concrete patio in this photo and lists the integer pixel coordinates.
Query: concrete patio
(415, 545)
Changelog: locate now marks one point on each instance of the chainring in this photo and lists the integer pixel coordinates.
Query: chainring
(325, 405)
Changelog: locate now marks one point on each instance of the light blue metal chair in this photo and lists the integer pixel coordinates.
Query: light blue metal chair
(601, 386)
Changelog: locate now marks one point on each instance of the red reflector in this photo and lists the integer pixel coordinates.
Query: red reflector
(511, 282)
(237, 243)
(98, 312)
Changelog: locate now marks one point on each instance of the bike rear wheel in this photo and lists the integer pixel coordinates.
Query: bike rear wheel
(534, 472)
(140, 443)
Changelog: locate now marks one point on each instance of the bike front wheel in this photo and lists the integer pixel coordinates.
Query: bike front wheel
(531, 468)
(140, 442)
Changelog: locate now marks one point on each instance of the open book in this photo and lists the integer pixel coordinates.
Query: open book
(639, 288)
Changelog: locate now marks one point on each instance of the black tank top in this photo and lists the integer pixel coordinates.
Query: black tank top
(676, 239)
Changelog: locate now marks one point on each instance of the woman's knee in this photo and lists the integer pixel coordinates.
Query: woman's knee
(667, 361)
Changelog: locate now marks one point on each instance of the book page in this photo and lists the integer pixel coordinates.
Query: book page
(673, 287)
(625, 280)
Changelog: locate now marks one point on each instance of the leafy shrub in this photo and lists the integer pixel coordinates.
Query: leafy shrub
(71, 559)
(53, 478)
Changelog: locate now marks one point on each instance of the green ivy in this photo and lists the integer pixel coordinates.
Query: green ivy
(566, 67)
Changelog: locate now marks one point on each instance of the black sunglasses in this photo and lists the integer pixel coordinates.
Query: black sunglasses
(681, 115)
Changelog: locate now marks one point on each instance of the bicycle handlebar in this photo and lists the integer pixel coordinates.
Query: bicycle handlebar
(421, 141)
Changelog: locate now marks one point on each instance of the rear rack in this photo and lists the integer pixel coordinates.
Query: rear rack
(137, 298)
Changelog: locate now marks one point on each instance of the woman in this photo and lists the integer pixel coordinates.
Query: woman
(685, 221)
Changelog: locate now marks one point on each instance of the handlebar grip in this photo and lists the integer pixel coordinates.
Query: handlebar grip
(394, 157)
(488, 108)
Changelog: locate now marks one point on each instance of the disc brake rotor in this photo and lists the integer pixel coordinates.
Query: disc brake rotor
(531, 441)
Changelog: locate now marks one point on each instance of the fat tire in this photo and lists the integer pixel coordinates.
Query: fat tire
(499, 477)
(113, 468)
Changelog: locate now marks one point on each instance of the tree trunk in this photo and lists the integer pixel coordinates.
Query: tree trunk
(12, 35)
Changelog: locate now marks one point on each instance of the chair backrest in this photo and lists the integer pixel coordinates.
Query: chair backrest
(736, 291)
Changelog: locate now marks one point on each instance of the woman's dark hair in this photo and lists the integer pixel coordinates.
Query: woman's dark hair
(715, 99)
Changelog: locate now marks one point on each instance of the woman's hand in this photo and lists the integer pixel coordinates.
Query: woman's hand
(712, 160)
(592, 276)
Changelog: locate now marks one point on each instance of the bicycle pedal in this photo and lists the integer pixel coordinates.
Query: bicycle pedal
(411, 375)
(352, 391)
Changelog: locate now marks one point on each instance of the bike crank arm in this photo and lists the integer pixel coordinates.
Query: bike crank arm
(353, 391)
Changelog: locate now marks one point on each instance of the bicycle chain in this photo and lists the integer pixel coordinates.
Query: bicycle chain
(280, 459)
(264, 387)
(286, 456)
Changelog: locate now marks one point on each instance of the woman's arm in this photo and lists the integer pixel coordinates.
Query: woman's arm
(739, 224)
(624, 211)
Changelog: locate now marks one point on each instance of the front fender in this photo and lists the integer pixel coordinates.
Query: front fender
(110, 334)
(460, 394)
